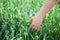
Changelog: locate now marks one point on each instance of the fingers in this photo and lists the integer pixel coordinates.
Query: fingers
(34, 27)
(35, 23)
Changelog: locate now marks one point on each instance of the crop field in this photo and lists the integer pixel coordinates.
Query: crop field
(14, 25)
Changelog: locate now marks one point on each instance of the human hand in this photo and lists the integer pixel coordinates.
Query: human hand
(36, 22)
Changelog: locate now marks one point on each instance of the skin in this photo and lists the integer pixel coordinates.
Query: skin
(37, 19)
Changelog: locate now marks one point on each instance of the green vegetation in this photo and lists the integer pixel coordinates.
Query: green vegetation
(14, 15)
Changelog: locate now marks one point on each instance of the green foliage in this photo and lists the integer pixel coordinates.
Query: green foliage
(14, 15)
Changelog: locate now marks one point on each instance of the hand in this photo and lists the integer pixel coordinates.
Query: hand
(36, 22)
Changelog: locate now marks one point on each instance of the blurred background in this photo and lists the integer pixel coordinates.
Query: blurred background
(14, 15)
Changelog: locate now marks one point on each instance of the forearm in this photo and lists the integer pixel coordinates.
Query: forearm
(46, 7)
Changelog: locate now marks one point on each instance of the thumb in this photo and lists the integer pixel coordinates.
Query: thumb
(30, 20)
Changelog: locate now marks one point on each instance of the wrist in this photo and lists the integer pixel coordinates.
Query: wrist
(40, 16)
